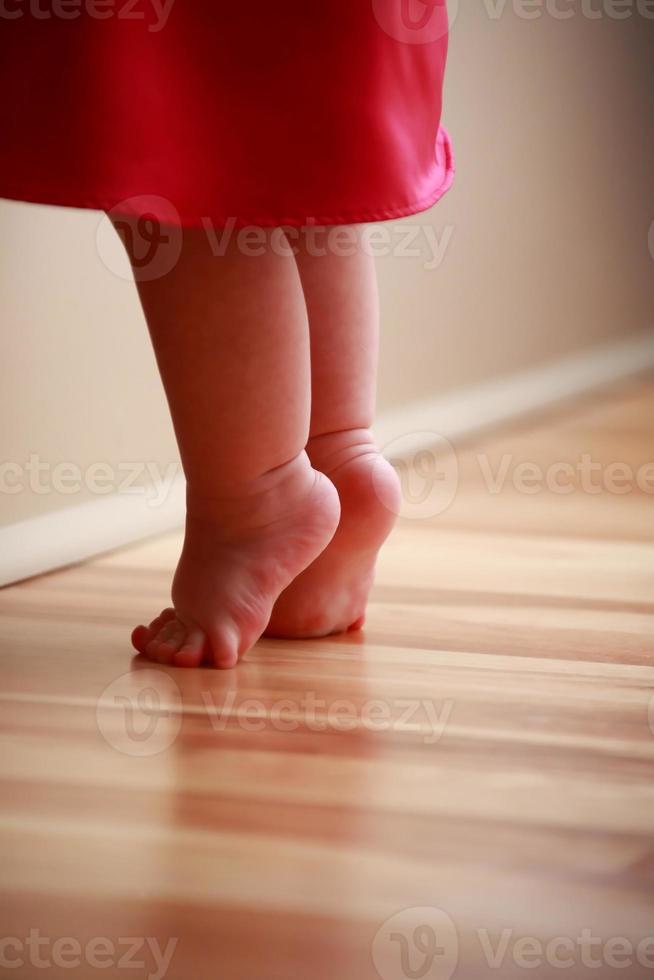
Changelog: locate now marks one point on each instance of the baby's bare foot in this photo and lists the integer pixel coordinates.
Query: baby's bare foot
(330, 596)
(239, 554)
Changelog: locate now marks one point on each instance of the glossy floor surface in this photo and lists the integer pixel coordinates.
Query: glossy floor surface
(464, 789)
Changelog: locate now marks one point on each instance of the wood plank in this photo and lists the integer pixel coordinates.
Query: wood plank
(485, 747)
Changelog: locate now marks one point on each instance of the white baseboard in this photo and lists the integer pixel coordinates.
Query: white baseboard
(476, 407)
(73, 534)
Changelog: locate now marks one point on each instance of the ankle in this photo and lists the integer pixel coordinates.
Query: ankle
(367, 483)
(254, 503)
(331, 450)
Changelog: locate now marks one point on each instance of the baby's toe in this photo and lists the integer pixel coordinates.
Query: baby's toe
(225, 643)
(142, 635)
(165, 616)
(171, 637)
(191, 652)
(166, 641)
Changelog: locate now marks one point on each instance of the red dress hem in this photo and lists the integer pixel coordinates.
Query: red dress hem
(94, 202)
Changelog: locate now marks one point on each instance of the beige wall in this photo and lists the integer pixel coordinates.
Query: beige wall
(553, 126)
(547, 251)
(79, 382)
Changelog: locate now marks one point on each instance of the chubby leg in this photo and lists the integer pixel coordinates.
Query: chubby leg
(232, 345)
(342, 302)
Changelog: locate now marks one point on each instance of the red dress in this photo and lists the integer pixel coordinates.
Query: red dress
(239, 111)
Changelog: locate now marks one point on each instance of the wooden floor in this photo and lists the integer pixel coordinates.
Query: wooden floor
(473, 770)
